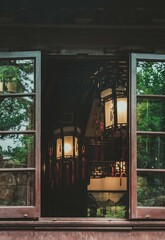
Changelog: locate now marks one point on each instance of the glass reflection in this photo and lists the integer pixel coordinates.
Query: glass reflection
(16, 113)
(17, 76)
(16, 151)
(151, 190)
(150, 152)
(150, 115)
(150, 77)
(16, 189)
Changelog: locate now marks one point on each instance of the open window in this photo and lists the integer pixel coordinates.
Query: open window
(85, 136)
(96, 124)
(147, 136)
(19, 135)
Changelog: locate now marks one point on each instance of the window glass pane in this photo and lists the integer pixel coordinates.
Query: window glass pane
(150, 152)
(16, 150)
(107, 204)
(16, 188)
(151, 189)
(150, 114)
(16, 113)
(17, 76)
(150, 77)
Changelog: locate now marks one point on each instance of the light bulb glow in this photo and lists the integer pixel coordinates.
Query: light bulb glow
(67, 148)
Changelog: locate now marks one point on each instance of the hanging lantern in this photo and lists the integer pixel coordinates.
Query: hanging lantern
(66, 142)
(115, 107)
(111, 81)
(66, 154)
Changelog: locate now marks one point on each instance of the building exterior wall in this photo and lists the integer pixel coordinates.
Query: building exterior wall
(82, 230)
(84, 235)
(55, 38)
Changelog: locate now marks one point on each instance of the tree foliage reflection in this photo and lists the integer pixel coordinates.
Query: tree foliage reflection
(150, 117)
(16, 112)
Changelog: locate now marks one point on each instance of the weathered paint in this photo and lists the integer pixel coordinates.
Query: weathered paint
(81, 235)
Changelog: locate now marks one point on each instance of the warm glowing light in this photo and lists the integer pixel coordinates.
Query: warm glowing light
(122, 106)
(59, 148)
(122, 110)
(67, 148)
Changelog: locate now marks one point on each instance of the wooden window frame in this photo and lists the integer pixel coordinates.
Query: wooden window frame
(135, 211)
(27, 212)
(31, 212)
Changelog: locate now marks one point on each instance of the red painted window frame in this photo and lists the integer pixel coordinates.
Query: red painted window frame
(135, 211)
(27, 212)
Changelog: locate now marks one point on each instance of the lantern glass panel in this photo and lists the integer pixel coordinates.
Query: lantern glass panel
(68, 146)
(121, 111)
(76, 147)
(109, 114)
(59, 148)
